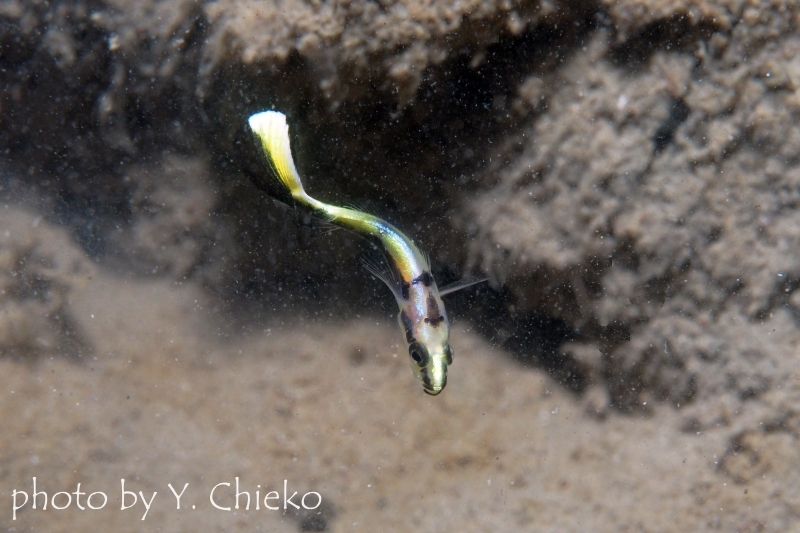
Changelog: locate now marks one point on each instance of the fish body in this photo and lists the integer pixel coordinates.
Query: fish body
(422, 315)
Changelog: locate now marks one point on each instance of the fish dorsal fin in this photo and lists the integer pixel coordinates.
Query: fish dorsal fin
(366, 207)
(463, 283)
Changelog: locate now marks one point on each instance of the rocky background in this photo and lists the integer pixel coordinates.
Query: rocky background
(627, 173)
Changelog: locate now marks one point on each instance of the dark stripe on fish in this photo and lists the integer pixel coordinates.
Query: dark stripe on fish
(425, 278)
(426, 380)
(434, 317)
(407, 325)
(433, 306)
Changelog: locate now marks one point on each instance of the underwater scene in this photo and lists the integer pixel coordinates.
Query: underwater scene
(386, 266)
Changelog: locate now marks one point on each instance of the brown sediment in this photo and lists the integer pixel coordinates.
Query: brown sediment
(627, 171)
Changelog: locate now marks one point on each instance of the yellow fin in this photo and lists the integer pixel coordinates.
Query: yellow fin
(273, 134)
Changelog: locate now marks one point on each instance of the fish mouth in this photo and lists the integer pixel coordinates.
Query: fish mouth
(432, 386)
(433, 390)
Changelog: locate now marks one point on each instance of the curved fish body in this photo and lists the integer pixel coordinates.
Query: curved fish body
(422, 315)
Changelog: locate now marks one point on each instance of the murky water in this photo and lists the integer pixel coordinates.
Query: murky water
(180, 350)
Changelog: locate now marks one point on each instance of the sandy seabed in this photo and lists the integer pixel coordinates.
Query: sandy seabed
(333, 408)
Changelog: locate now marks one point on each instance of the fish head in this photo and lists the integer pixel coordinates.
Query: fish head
(430, 354)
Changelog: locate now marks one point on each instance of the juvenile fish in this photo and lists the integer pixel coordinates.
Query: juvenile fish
(422, 315)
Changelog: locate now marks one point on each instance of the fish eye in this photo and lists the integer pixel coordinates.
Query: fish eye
(418, 353)
(448, 354)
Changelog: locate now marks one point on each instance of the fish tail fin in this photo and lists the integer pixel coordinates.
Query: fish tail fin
(272, 133)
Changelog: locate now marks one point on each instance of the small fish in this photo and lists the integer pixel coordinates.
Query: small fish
(422, 316)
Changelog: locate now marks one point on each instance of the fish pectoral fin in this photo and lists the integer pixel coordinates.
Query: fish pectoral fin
(463, 283)
(378, 265)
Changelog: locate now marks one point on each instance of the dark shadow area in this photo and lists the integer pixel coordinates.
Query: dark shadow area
(675, 34)
(534, 339)
(72, 124)
(315, 520)
(401, 160)
(678, 113)
(372, 153)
